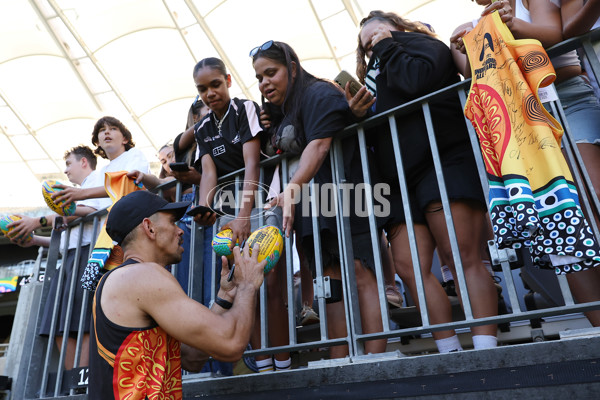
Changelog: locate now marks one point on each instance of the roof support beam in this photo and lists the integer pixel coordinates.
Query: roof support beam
(17, 150)
(217, 46)
(180, 30)
(66, 55)
(32, 133)
(103, 73)
(337, 62)
(351, 12)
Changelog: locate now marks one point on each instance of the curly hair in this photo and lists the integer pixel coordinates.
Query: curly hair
(80, 152)
(391, 18)
(110, 121)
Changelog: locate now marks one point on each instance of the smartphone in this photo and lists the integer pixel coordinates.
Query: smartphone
(179, 166)
(344, 77)
(203, 210)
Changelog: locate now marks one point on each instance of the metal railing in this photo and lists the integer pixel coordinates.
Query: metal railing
(42, 364)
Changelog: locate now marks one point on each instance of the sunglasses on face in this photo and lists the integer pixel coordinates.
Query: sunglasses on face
(265, 46)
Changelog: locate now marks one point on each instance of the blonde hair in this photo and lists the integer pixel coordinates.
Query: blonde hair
(392, 18)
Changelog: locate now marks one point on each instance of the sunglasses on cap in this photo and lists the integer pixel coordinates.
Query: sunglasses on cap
(265, 46)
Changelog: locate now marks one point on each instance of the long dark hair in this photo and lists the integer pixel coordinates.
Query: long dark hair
(282, 53)
(394, 19)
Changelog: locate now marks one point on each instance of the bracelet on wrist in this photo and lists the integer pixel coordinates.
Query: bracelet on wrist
(223, 303)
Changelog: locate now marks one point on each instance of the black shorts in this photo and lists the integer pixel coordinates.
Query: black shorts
(462, 183)
(460, 176)
(362, 250)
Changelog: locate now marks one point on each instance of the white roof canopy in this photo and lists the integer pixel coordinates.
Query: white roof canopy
(66, 63)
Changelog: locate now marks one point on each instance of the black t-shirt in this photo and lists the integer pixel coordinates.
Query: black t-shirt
(239, 125)
(324, 112)
(413, 65)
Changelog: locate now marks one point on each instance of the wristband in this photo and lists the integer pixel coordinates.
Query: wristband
(223, 303)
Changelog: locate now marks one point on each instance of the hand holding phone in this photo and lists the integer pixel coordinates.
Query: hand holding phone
(203, 210)
(344, 77)
(179, 166)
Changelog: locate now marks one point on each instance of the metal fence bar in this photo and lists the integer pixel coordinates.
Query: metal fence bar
(506, 269)
(51, 337)
(579, 171)
(410, 227)
(347, 266)
(86, 296)
(263, 296)
(289, 266)
(374, 231)
(464, 291)
(196, 278)
(69, 310)
(526, 315)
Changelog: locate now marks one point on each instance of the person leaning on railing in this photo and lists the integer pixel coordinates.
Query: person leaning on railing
(228, 139)
(303, 114)
(407, 61)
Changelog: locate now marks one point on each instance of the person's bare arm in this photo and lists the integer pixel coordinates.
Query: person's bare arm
(187, 139)
(545, 24)
(26, 225)
(359, 103)
(191, 176)
(81, 211)
(193, 359)
(457, 48)
(206, 193)
(148, 180)
(310, 161)
(70, 194)
(221, 336)
(578, 18)
(37, 240)
(23, 227)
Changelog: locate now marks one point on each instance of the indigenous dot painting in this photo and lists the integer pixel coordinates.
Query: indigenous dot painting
(532, 199)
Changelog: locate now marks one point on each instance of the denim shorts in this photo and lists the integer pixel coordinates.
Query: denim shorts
(582, 109)
(187, 220)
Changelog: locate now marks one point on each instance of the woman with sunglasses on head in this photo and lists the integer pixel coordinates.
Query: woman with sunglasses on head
(302, 114)
(406, 61)
(228, 139)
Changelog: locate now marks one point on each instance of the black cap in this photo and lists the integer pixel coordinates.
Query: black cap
(130, 211)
